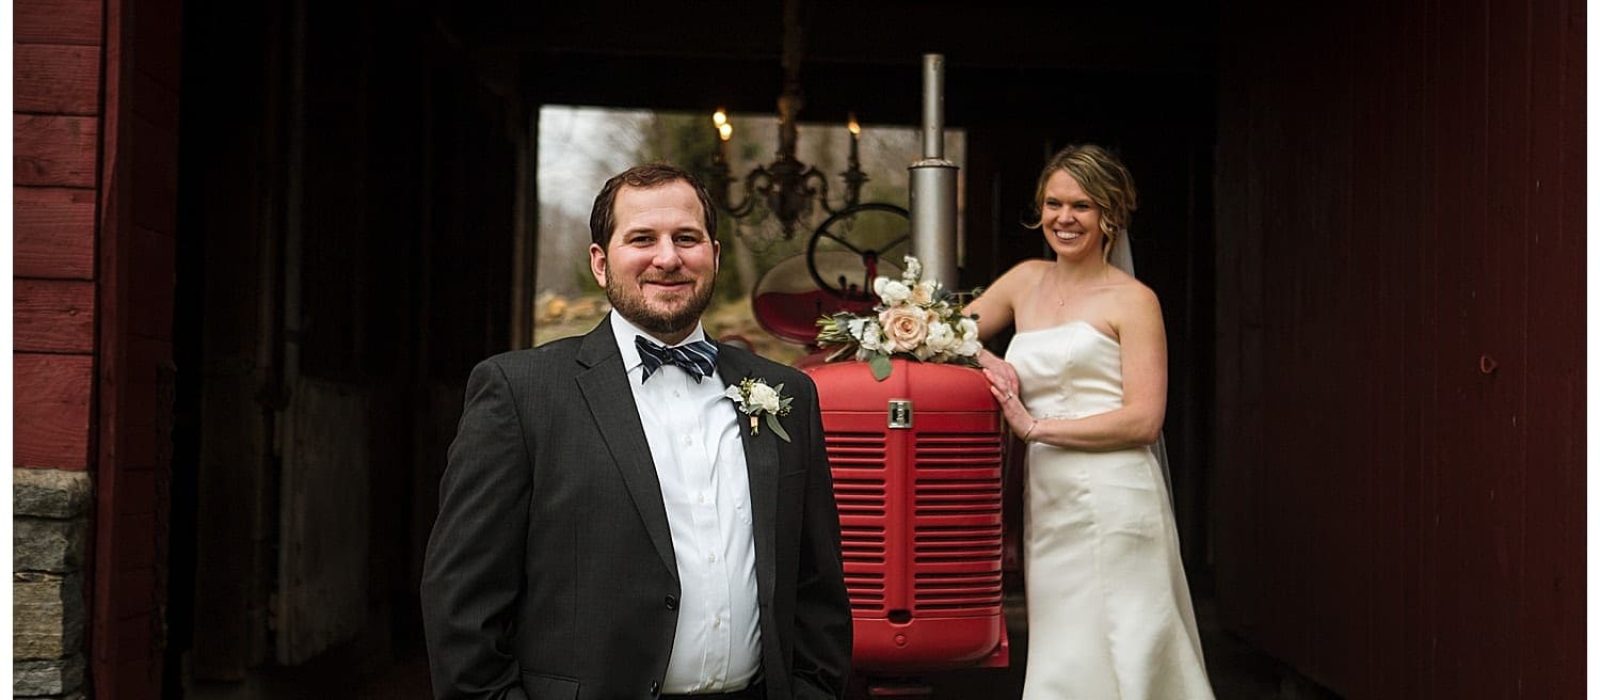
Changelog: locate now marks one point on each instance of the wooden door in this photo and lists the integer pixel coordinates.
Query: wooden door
(323, 440)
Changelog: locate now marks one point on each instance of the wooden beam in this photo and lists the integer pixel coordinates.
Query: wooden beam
(53, 316)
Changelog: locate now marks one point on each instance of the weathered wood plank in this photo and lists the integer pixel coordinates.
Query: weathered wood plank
(56, 79)
(54, 150)
(152, 150)
(56, 22)
(51, 410)
(54, 229)
(326, 471)
(156, 43)
(150, 303)
(134, 545)
(53, 316)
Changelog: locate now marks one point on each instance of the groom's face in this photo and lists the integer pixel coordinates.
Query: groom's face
(660, 265)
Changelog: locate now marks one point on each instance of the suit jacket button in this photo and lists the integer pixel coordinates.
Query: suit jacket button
(672, 602)
(655, 688)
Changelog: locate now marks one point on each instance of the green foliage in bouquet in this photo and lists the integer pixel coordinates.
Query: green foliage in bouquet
(915, 318)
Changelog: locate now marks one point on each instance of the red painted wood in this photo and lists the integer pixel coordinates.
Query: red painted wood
(54, 151)
(51, 410)
(1401, 200)
(138, 584)
(135, 547)
(137, 678)
(54, 233)
(53, 316)
(156, 190)
(135, 252)
(1554, 405)
(56, 22)
(156, 47)
(151, 301)
(56, 79)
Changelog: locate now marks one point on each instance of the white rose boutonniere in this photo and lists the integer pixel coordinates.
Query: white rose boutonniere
(755, 399)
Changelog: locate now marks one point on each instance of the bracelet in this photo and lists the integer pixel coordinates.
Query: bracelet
(1029, 431)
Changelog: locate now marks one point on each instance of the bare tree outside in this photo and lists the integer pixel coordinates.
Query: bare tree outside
(579, 147)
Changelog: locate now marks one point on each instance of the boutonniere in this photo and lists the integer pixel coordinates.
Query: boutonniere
(756, 399)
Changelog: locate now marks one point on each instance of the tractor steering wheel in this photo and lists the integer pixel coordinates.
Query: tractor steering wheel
(866, 224)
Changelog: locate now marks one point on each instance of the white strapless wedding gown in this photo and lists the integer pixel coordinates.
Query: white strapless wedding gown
(1109, 615)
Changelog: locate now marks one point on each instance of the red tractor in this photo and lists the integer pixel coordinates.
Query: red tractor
(919, 470)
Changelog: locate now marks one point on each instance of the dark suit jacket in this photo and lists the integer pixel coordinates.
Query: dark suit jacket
(550, 571)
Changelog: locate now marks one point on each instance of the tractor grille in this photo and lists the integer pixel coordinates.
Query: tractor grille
(957, 541)
(944, 505)
(859, 487)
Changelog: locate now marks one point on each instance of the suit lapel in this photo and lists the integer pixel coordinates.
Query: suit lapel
(761, 463)
(605, 389)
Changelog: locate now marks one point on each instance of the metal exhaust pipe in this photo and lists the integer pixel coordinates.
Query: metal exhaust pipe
(933, 185)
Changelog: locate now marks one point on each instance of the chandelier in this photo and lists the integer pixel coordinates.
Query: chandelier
(786, 188)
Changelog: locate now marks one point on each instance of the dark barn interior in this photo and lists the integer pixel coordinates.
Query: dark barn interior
(1342, 219)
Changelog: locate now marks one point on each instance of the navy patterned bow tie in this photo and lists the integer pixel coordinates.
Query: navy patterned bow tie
(698, 358)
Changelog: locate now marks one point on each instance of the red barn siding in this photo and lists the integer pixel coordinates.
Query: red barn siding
(53, 150)
(50, 409)
(53, 79)
(53, 316)
(56, 22)
(1399, 485)
(53, 234)
(94, 264)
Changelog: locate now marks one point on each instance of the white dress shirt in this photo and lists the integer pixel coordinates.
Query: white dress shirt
(693, 432)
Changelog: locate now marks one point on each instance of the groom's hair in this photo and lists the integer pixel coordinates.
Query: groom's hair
(603, 218)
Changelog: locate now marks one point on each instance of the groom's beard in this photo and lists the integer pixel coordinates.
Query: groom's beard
(680, 315)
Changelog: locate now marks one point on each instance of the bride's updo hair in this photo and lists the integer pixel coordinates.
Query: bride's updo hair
(1103, 177)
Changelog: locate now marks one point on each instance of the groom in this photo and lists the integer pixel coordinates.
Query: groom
(610, 524)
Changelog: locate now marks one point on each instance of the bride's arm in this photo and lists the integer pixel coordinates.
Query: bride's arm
(996, 310)
(1144, 389)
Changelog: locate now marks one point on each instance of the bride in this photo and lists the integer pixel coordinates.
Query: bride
(1084, 385)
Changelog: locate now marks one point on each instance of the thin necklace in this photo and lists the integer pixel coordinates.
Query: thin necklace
(1055, 282)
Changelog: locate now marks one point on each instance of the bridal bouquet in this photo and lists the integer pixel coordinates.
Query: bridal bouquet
(915, 318)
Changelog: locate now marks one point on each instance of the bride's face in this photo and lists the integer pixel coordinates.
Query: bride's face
(1069, 220)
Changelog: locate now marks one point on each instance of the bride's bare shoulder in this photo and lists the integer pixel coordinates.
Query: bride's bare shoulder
(1023, 274)
(1130, 292)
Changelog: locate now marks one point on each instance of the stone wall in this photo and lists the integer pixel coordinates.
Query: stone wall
(50, 524)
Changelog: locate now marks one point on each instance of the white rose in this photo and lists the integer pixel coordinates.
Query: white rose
(764, 398)
(892, 292)
(941, 337)
(871, 337)
(913, 268)
(923, 292)
(968, 328)
(857, 327)
(969, 346)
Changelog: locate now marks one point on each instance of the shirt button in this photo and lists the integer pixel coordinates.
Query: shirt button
(672, 602)
(712, 558)
(655, 687)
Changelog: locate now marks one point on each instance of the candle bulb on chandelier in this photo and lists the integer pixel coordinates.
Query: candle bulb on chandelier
(855, 141)
(724, 132)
